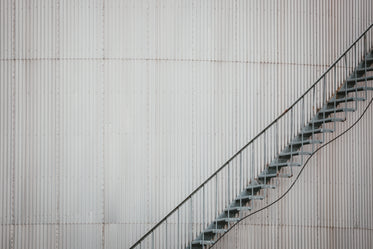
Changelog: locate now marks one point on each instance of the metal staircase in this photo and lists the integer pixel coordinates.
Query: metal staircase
(222, 199)
(327, 114)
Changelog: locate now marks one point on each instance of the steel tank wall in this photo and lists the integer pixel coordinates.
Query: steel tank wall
(113, 111)
(329, 206)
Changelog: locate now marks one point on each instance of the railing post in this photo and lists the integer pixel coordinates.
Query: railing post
(264, 157)
(229, 192)
(277, 143)
(178, 226)
(252, 172)
(203, 214)
(216, 199)
(313, 123)
(252, 163)
(291, 144)
(324, 89)
(303, 121)
(152, 240)
(335, 99)
(365, 66)
(191, 222)
(324, 103)
(356, 64)
(241, 180)
(345, 57)
(166, 242)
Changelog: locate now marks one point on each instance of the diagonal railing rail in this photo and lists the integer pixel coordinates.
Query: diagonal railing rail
(195, 213)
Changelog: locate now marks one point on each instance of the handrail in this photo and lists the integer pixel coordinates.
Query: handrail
(251, 141)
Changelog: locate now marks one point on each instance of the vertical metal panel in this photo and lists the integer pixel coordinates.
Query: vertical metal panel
(113, 111)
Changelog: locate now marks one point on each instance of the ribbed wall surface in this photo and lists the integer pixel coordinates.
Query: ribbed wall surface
(330, 205)
(114, 111)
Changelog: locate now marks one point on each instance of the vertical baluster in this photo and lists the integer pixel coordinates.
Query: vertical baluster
(302, 128)
(229, 190)
(216, 200)
(264, 157)
(252, 163)
(324, 103)
(203, 214)
(290, 140)
(346, 85)
(241, 180)
(276, 143)
(355, 75)
(252, 171)
(365, 66)
(313, 123)
(335, 99)
(178, 227)
(152, 240)
(191, 223)
(166, 244)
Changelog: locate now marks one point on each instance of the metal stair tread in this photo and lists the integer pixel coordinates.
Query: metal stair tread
(306, 141)
(267, 175)
(315, 131)
(250, 197)
(215, 230)
(256, 186)
(342, 109)
(360, 79)
(326, 120)
(203, 242)
(348, 99)
(269, 186)
(353, 89)
(295, 153)
(238, 208)
(286, 164)
(227, 219)
(363, 69)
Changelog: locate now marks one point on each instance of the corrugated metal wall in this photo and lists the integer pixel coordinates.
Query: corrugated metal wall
(330, 205)
(113, 111)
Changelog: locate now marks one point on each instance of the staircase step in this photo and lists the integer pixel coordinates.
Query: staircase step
(343, 100)
(287, 164)
(307, 141)
(360, 79)
(294, 153)
(353, 89)
(215, 230)
(362, 70)
(326, 120)
(333, 110)
(227, 219)
(254, 187)
(267, 175)
(316, 131)
(250, 197)
(202, 242)
(237, 209)
(269, 186)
